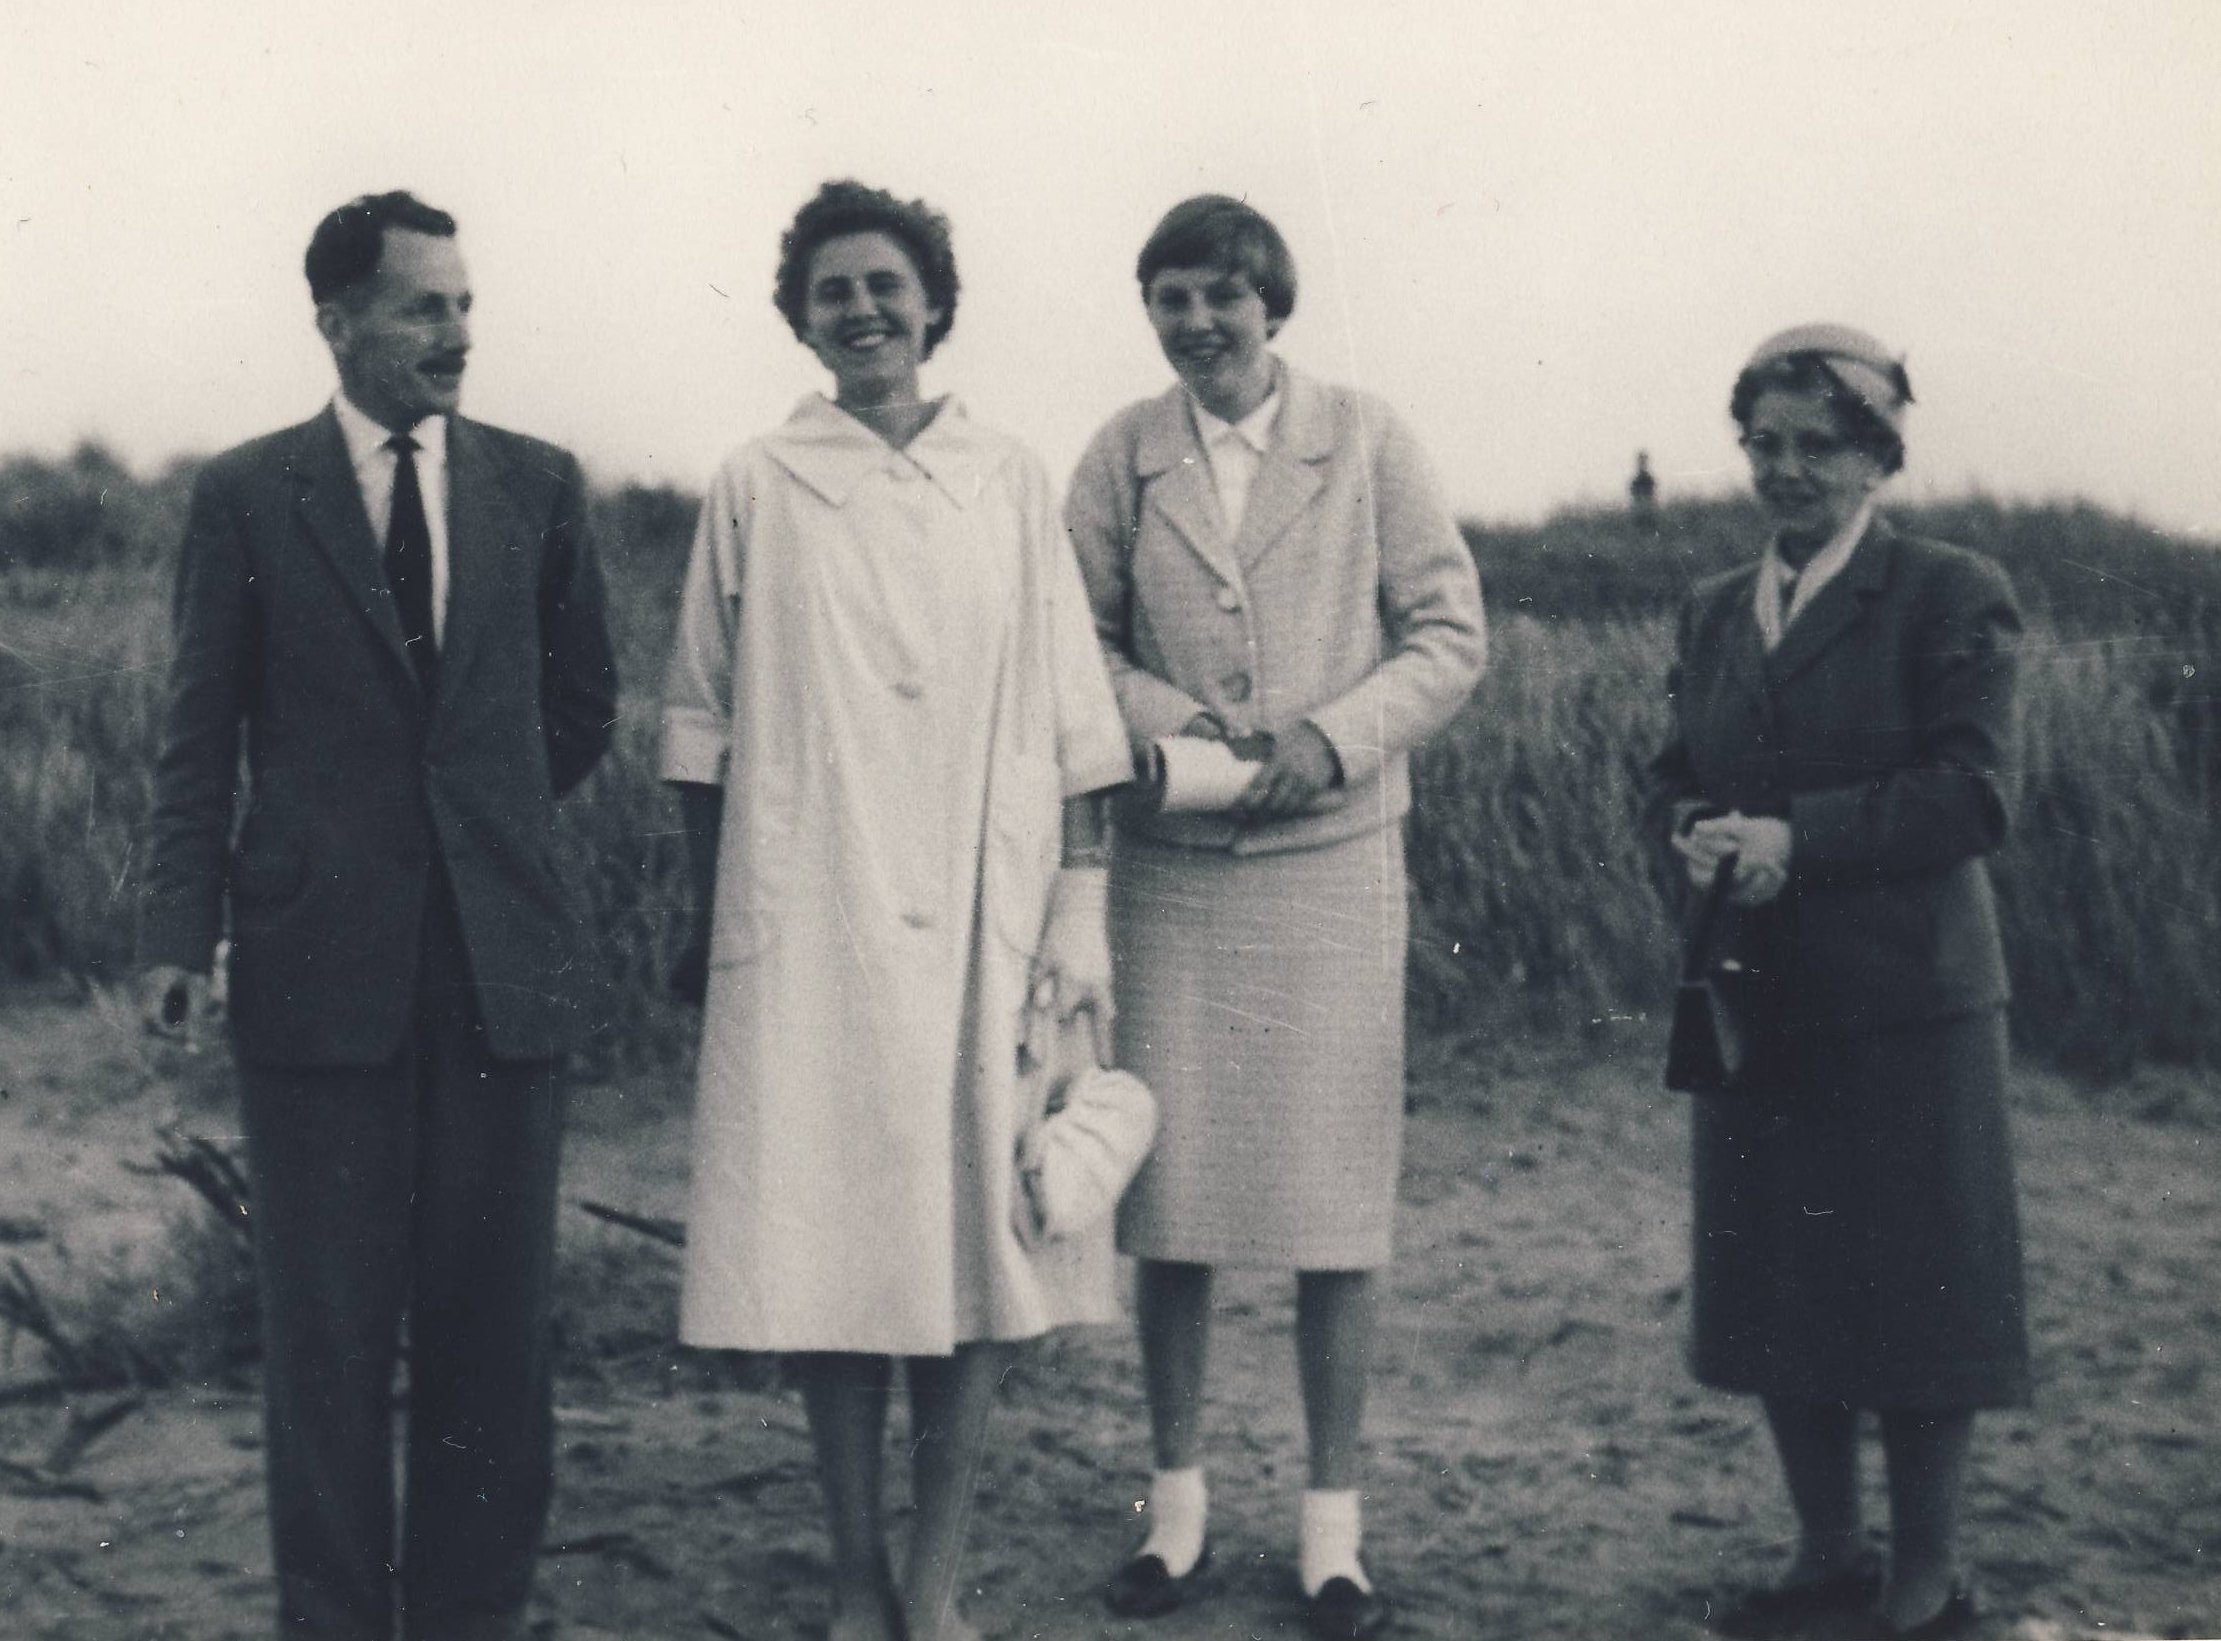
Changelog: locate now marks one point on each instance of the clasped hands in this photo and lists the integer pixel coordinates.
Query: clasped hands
(1760, 844)
(1302, 765)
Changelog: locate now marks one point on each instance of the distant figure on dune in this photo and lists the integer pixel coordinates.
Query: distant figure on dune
(1642, 494)
(395, 613)
(1842, 724)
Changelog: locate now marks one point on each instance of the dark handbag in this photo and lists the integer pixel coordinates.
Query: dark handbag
(1709, 1051)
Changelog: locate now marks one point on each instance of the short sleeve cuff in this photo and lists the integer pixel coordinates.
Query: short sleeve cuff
(695, 747)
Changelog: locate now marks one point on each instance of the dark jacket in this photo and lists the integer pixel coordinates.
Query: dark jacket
(1882, 728)
(357, 788)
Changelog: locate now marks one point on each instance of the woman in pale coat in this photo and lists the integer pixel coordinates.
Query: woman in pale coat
(1267, 555)
(884, 687)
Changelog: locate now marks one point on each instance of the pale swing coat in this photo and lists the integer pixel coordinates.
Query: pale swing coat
(886, 659)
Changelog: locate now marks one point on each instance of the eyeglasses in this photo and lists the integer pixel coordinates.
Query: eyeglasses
(1808, 446)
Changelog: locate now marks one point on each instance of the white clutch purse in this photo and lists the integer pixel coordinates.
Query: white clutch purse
(1089, 1135)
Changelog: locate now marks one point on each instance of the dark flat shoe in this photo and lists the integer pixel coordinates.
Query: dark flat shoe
(1956, 1616)
(1146, 1588)
(1763, 1613)
(1343, 1612)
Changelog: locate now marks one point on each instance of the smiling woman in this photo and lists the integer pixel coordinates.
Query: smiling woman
(883, 688)
(1271, 568)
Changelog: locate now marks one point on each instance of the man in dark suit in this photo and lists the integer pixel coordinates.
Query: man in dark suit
(397, 612)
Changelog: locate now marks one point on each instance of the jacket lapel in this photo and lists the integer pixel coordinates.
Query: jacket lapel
(1176, 479)
(1835, 609)
(1742, 645)
(479, 523)
(332, 511)
(1288, 478)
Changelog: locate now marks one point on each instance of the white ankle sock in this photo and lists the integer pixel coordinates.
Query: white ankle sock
(1178, 1506)
(1332, 1530)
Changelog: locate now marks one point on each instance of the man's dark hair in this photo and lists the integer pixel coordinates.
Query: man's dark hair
(347, 245)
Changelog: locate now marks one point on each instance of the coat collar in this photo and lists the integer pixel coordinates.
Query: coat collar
(1170, 461)
(832, 452)
(1836, 607)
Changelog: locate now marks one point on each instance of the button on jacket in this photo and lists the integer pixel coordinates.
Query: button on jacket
(1881, 728)
(1346, 597)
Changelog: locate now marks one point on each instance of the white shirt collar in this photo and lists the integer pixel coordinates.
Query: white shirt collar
(1254, 430)
(366, 436)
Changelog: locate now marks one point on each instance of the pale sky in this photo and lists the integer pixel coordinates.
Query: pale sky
(1548, 233)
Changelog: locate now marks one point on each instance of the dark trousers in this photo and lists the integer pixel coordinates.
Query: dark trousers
(425, 1188)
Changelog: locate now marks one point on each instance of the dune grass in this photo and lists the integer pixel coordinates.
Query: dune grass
(1536, 905)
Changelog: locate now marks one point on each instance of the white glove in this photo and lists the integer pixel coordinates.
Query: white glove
(1072, 971)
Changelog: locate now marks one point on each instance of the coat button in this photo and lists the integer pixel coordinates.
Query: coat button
(1236, 685)
(1229, 600)
(917, 919)
(909, 689)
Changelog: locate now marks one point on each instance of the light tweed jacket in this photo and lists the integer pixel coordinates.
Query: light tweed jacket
(1347, 597)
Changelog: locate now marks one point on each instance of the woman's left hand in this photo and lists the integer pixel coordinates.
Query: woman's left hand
(1302, 766)
(1761, 844)
(1072, 971)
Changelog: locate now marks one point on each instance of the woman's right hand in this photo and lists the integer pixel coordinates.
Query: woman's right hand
(1760, 843)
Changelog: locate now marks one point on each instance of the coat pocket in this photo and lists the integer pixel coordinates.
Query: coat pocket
(1024, 835)
(738, 935)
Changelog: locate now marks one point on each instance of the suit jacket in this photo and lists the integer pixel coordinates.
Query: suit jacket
(1347, 597)
(357, 788)
(1882, 729)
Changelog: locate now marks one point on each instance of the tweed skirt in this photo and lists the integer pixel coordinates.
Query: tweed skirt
(1261, 998)
(1857, 1226)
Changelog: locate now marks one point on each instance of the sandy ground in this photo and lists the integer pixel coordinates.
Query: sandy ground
(1542, 1466)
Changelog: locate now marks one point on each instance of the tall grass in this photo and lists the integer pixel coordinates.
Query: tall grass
(1537, 905)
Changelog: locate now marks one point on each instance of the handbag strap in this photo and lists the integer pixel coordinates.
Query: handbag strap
(1698, 953)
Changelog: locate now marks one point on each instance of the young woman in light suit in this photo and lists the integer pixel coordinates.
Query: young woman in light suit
(1267, 555)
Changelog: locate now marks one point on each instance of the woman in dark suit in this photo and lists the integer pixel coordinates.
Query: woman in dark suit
(1842, 713)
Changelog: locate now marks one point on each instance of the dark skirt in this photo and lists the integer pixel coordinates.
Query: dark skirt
(1857, 1229)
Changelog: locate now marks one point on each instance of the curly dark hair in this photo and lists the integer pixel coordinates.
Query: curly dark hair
(346, 248)
(848, 207)
(1855, 419)
(1217, 231)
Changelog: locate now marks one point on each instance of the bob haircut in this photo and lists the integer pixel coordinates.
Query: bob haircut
(1855, 419)
(1215, 231)
(349, 243)
(848, 207)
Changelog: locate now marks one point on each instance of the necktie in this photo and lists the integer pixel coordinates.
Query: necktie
(409, 558)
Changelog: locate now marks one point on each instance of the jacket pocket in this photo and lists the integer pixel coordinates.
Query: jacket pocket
(266, 876)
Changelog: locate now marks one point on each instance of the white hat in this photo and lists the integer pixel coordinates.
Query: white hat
(1867, 370)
